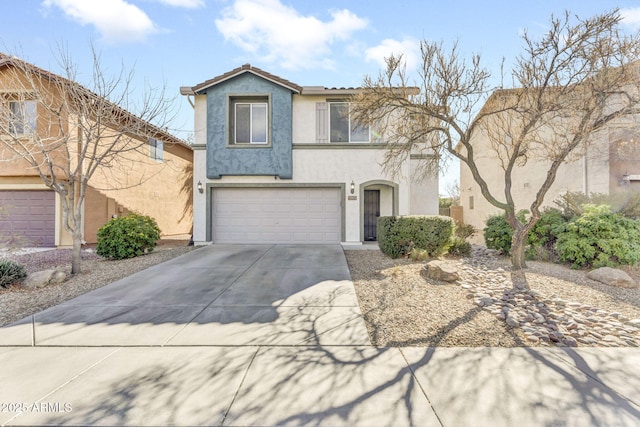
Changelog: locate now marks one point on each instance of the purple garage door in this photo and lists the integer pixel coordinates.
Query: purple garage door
(27, 217)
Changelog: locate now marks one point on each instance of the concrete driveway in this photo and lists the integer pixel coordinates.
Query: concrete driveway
(272, 335)
(218, 295)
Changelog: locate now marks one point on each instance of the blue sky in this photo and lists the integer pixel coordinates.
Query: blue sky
(332, 43)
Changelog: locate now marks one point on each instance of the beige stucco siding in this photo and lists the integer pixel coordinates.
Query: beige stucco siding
(424, 200)
(131, 182)
(582, 174)
(200, 120)
(304, 118)
(337, 166)
(143, 185)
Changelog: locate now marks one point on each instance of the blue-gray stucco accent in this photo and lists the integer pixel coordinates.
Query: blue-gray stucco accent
(272, 159)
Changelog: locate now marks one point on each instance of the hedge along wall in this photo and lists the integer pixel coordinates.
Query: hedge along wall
(398, 235)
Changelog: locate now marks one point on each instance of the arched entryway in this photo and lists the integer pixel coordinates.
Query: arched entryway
(377, 198)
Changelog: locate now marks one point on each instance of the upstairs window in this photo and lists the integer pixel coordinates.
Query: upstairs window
(249, 121)
(22, 119)
(156, 149)
(342, 127)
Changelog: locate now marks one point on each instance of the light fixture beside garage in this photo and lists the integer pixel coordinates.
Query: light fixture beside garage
(353, 187)
(199, 186)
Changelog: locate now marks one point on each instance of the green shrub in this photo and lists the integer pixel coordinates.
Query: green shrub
(544, 232)
(10, 272)
(459, 247)
(542, 237)
(625, 203)
(399, 235)
(599, 238)
(498, 233)
(419, 255)
(464, 231)
(127, 237)
(540, 240)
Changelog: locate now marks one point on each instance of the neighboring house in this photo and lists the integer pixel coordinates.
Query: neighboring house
(610, 164)
(275, 162)
(155, 180)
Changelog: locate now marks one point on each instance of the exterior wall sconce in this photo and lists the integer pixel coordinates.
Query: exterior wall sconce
(352, 187)
(200, 188)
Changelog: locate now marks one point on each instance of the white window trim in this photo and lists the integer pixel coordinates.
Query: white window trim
(368, 141)
(235, 122)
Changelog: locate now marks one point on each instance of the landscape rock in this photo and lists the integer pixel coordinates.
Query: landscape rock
(545, 320)
(511, 321)
(40, 279)
(612, 277)
(439, 270)
(486, 301)
(57, 277)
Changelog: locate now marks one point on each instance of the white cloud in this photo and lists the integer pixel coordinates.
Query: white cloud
(278, 33)
(189, 4)
(409, 49)
(116, 20)
(631, 17)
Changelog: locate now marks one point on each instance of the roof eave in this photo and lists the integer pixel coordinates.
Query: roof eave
(186, 91)
(315, 90)
(247, 68)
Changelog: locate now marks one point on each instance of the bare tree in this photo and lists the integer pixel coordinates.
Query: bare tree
(453, 192)
(568, 84)
(67, 132)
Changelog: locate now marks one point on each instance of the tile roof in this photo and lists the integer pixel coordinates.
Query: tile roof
(246, 68)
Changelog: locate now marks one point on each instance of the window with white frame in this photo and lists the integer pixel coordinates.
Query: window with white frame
(156, 149)
(22, 119)
(249, 121)
(342, 127)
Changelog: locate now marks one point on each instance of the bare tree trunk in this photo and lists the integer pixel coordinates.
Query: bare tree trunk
(76, 251)
(518, 246)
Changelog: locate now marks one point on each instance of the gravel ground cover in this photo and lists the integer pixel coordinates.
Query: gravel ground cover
(401, 308)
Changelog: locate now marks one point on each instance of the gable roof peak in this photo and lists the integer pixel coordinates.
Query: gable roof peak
(245, 68)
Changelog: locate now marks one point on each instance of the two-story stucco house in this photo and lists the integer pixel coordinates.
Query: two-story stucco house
(610, 164)
(275, 162)
(149, 180)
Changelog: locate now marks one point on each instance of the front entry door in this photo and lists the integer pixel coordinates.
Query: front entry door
(371, 214)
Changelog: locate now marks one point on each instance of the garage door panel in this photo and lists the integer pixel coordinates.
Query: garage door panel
(29, 216)
(37, 211)
(276, 215)
(304, 222)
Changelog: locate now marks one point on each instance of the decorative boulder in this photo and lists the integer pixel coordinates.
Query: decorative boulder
(40, 279)
(439, 270)
(57, 277)
(612, 277)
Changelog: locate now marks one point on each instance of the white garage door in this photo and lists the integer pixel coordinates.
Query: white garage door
(276, 215)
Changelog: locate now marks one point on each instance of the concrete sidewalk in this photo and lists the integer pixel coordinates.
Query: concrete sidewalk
(272, 335)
